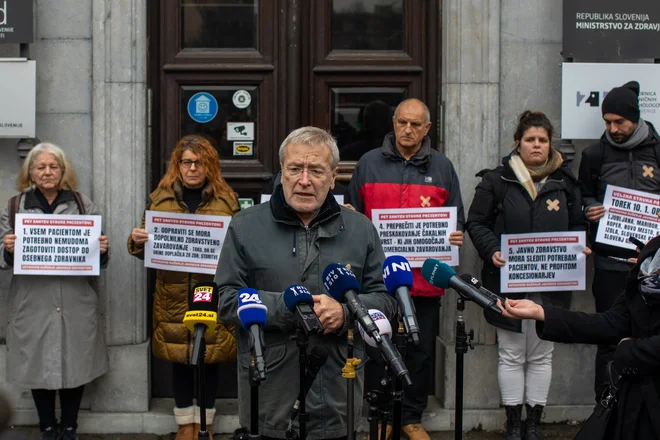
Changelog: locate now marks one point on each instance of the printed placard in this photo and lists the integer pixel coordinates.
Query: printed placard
(417, 234)
(184, 242)
(49, 244)
(628, 213)
(543, 262)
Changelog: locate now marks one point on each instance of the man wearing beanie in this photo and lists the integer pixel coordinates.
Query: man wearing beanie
(627, 155)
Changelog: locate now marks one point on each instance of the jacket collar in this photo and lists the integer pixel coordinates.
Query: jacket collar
(176, 192)
(284, 213)
(508, 174)
(420, 159)
(32, 200)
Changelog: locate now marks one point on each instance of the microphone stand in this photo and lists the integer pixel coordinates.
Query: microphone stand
(348, 372)
(197, 359)
(255, 381)
(384, 410)
(397, 393)
(302, 340)
(463, 341)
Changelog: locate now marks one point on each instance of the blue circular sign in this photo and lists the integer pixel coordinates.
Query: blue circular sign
(202, 107)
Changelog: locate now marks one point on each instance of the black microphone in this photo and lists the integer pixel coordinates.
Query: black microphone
(317, 357)
(298, 300)
(202, 314)
(398, 279)
(477, 285)
(441, 275)
(343, 286)
(252, 313)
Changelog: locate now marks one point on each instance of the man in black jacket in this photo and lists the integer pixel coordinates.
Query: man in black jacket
(626, 156)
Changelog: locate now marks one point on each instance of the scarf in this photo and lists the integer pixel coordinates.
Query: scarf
(527, 176)
(639, 135)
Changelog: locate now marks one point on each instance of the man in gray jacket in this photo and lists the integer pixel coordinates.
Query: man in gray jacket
(291, 240)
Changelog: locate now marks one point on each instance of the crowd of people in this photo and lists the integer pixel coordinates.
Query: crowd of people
(56, 344)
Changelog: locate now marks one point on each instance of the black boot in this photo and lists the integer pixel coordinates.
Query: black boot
(513, 422)
(533, 422)
(49, 433)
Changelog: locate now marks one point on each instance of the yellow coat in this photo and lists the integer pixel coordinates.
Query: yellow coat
(171, 340)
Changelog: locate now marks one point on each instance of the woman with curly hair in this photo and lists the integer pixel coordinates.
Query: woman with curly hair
(193, 185)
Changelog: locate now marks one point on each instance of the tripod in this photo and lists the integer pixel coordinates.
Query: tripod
(302, 340)
(255, 381)
(463, 341)
(348, 372)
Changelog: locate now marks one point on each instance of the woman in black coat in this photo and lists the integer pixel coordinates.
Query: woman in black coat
(633, 323)
(532, 191)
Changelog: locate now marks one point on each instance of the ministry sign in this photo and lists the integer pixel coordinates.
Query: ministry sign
(611, 30)
(16, 23)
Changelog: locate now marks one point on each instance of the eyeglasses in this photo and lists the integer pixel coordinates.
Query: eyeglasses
(188, 163)
(317, 173)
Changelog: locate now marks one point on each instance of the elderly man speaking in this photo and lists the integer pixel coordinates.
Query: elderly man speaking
(290, 240)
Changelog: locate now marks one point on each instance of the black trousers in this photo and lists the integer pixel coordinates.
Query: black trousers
(607, 287)
(420, 361)
(70, 400)
(184, 382)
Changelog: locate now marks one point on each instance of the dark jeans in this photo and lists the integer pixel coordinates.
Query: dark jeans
(420, 361)
(70, 400)
(607, 287)
(184, 381)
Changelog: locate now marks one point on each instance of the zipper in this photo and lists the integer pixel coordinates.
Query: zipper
(309, 237)
(632, 171)
(188, 353)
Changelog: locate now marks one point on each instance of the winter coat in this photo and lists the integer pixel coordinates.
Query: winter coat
(637, 414)
(501, 205)
(54, 333)
(269, 249)
(172, 341)
(384, 179)
(603, 164)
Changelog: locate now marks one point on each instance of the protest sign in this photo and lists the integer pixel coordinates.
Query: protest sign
(543, 262)
(49, 244)
(417, 233)
(628, 213)
(184, 242)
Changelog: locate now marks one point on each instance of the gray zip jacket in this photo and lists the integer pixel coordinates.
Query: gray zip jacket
(269, 249)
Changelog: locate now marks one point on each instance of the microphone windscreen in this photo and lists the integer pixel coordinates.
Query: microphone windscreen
(203, 297)
(437, 273)
(337, 280)
(397, 273)
(471, 280)
(250, 308)
(297, 294)
(383, 324)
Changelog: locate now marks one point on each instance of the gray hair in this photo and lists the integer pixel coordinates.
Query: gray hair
(69, 177)
(311, 136)
(427, 113)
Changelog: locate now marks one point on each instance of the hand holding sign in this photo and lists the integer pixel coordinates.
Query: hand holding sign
(9, 240)
(139, 236)
(595, 213)
(103, 244)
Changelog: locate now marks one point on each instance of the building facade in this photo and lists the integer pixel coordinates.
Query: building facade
(117, 83)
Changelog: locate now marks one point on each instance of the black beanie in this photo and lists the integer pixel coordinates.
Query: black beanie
(623, 101)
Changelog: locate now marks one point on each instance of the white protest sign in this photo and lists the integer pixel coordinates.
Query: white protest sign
(543, 262)
(184, 242)
(49, 244)
(628, 213)
(266, 197)
(417, 233)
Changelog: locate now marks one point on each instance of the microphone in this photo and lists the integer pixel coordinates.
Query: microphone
(343, 286)
(440, 274)
(202, 315)
(316, 359)
(252, 313)
(391, 355)
(298, 299)
(477, 285)
(398, 279)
